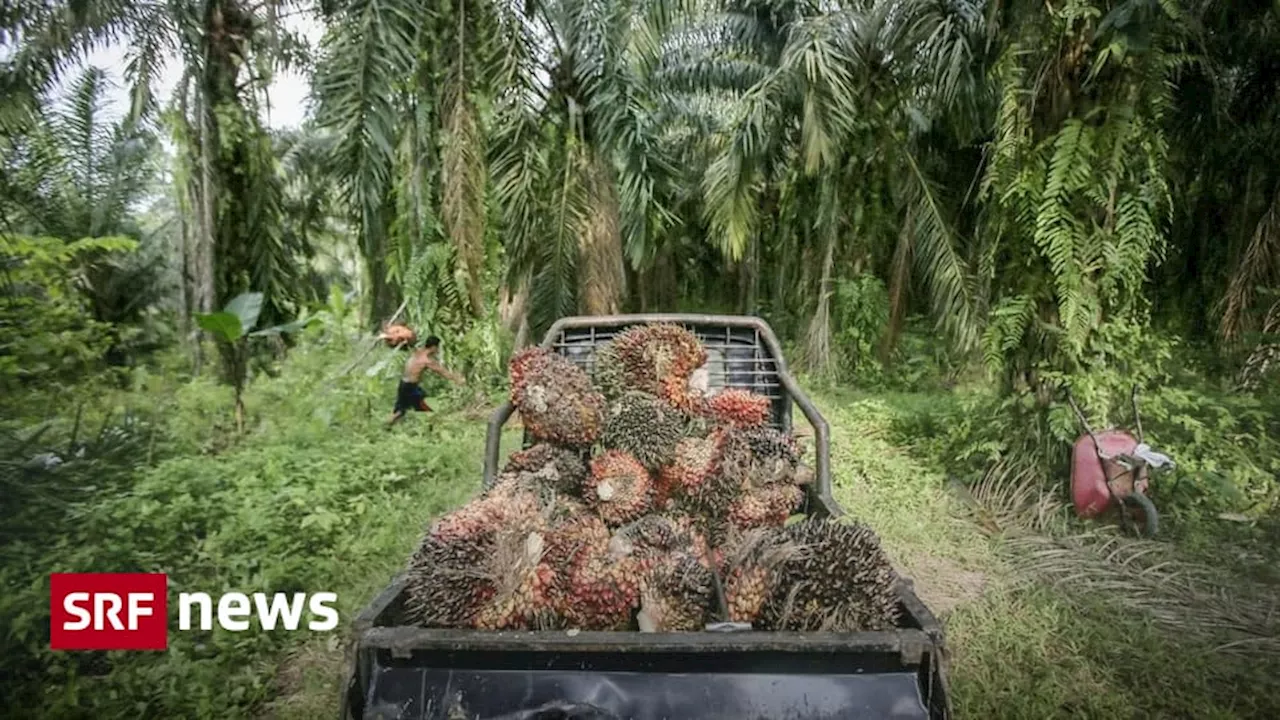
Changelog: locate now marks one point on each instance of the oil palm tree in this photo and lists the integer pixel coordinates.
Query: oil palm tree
(576, 161)
(227, 48)
(71, 175)
(831, 100)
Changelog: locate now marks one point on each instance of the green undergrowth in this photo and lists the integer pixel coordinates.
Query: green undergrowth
(316, 496)
(1022, 646)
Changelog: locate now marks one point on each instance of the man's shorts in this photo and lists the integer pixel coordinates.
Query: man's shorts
(411, 397)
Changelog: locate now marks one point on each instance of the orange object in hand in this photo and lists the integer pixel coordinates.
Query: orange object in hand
(398, 335)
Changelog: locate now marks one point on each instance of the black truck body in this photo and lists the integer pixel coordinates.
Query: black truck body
(401, 672)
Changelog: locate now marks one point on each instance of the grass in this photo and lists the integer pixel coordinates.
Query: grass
(318, 496)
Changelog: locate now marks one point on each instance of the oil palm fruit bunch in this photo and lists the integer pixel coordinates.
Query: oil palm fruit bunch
(555, 398)
(573, 539)
(602, 592)
(526, 362)
(561, 468)
(768, 506)
(397, 335)
(522, 491)
(771, 443)
(444, 589)
(841, 582)
(656, 535)
(775, 458)
(750, 562)
(446, 585)
(657, 359)
(506, 504)
(697, 475)
(644, 426)
(619, 488)
(739, 408)
(675, 594)
(522, 582)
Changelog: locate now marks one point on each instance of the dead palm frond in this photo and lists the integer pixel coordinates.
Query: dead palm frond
(1258, 265)
(1226, 613)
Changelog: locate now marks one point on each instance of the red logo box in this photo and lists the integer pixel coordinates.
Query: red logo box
(108, 611)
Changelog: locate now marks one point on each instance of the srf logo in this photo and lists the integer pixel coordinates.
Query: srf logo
(108, 611)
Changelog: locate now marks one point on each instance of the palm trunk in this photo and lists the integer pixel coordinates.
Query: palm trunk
(818, 342)
(899, 277)
(384, 295)
(604, 271)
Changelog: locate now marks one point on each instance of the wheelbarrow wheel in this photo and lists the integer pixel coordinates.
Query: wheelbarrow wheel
(1149, 519)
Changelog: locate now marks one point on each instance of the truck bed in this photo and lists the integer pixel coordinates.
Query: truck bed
(412, 673)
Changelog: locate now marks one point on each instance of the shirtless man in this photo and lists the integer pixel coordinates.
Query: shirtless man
(410, 394)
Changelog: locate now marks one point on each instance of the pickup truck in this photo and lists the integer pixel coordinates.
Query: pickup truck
(400, 672)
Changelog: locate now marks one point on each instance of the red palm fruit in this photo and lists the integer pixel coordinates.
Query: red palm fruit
(764, 507)
(487, 515)
(739, 408)
(603, 593)
(523, 364)
(619, 489)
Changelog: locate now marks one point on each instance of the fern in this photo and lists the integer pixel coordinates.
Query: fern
(1005, 330)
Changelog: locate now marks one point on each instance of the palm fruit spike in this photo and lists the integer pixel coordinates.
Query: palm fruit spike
(556, 400)
(562, 469)
(619, 489)
(842, 582)
(522, 583)
(644, 426)
(750, 562)
(765, 507)
(739, 408)
(603, 593)
(444, 589)
(652, 535)
(767, 442)
(607, 372)
(675, 594)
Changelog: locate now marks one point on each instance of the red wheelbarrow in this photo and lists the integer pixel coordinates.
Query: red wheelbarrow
(1111, 469)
